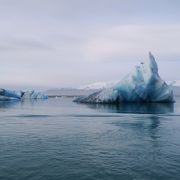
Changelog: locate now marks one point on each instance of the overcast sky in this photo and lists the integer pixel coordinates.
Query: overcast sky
(68, 43)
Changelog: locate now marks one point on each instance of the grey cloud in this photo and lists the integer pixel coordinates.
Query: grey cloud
(19, 44)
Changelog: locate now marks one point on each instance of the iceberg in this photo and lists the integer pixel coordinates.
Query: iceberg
(6, 95)
(143, 84)
(34, 95)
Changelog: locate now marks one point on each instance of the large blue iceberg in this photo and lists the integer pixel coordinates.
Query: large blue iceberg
(143, 84)
(6, 95)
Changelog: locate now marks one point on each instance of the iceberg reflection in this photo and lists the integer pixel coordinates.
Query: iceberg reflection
(141, 108)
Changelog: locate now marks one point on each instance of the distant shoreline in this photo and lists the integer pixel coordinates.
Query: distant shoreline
(60, 96)
(70, 93)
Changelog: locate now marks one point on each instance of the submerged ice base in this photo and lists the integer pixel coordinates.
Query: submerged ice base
(143, 84)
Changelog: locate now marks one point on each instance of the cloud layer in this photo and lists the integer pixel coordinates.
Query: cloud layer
(52, 43)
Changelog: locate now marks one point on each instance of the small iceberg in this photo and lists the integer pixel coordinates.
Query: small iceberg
(6, 95)
(143, 84)
(34, 95)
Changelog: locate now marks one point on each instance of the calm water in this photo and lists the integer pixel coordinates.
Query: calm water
(59, 139)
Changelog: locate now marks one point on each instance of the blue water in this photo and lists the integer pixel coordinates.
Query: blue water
(59, 139)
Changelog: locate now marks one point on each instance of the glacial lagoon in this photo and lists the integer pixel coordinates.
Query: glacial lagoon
(63, 140)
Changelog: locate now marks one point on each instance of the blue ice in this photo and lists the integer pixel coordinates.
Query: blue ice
(143, 84)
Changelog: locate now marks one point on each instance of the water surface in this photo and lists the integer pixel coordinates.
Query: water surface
(59, 139)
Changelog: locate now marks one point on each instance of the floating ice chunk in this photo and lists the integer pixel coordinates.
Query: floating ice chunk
(18, 95)
(34, 95)
(8, 95)
(143, 84)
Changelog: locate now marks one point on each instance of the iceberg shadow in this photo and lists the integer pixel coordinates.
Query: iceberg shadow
(136, 108)
(8, 104)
